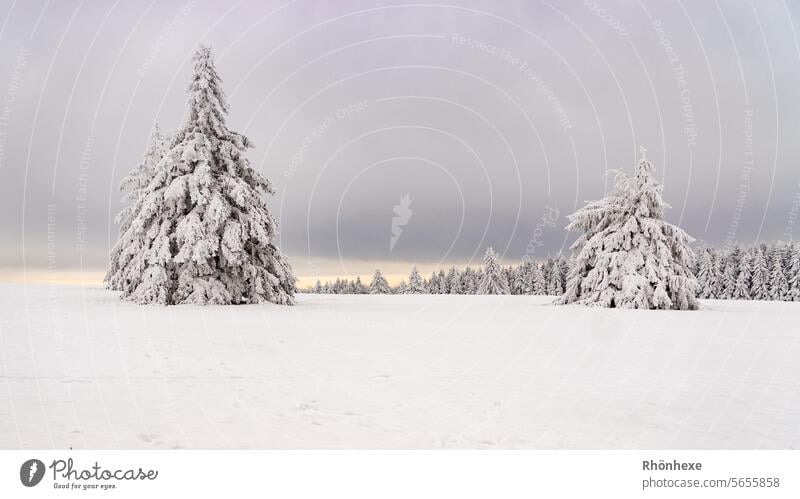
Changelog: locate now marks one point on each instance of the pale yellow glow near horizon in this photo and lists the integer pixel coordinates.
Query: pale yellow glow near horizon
(58, 277)
(95, 278)
(307, 272)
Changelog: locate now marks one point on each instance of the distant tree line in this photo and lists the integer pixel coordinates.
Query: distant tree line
(530, 278)
(760, 272)
(767, 271)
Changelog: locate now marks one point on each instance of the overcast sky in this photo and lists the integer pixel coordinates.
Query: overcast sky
(496, 118)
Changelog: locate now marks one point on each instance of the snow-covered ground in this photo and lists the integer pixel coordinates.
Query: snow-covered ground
(81, 369)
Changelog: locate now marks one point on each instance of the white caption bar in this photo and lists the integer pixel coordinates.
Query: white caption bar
(399, 474)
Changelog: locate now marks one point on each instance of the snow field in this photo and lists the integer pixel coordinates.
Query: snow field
(82, 369)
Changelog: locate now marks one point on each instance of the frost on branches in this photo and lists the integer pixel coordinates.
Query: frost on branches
(495, 280)
(134, 184)
(416, 285)
(628, 257)
(379, 285)
(202, 232)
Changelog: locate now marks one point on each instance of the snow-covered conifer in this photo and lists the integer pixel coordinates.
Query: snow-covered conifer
(443, 284)
(379, 284)
(779, 285)
(518, 283)
(469, 282)
(202, 232)
(494, 281)
(716, 280)
(563, 270)
(759, 281)
(705, 275)
(554, 286)
(538, 282)
(741, 290)
(528, 269)
(433, 284)
(628, 256)
(416, 285)
(358, 287)
(454, 282)
(729, 273)
(793, 273)
(134, 184)
(547, 273)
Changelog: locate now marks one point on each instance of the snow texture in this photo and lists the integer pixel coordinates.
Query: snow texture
(82, 369)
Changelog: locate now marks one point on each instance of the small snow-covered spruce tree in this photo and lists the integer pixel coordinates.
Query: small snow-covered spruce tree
(494, 280)
(779, 285)
(741, 290)
(416, 285)
(716, 279)
(379, 285)
(134, 183)
(547, 273)
(628, 257)
(518, 283)
(715, 274)
(433, 284)
(538, 283)
(793, 272)
(202, 233)
(563, 267)
(526, 269)
(453, 282)
(759, 281)
(729, 275)
(469, 284)
(554, 281)
(705, 275)
(443, 283)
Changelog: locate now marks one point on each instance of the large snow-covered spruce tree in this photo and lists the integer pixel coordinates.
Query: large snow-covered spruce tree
(202, 232)
(627, 256)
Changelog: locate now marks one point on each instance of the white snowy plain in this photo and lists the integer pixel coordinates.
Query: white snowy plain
(81, 369)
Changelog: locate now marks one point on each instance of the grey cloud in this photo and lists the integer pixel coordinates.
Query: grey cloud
(522, 105)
